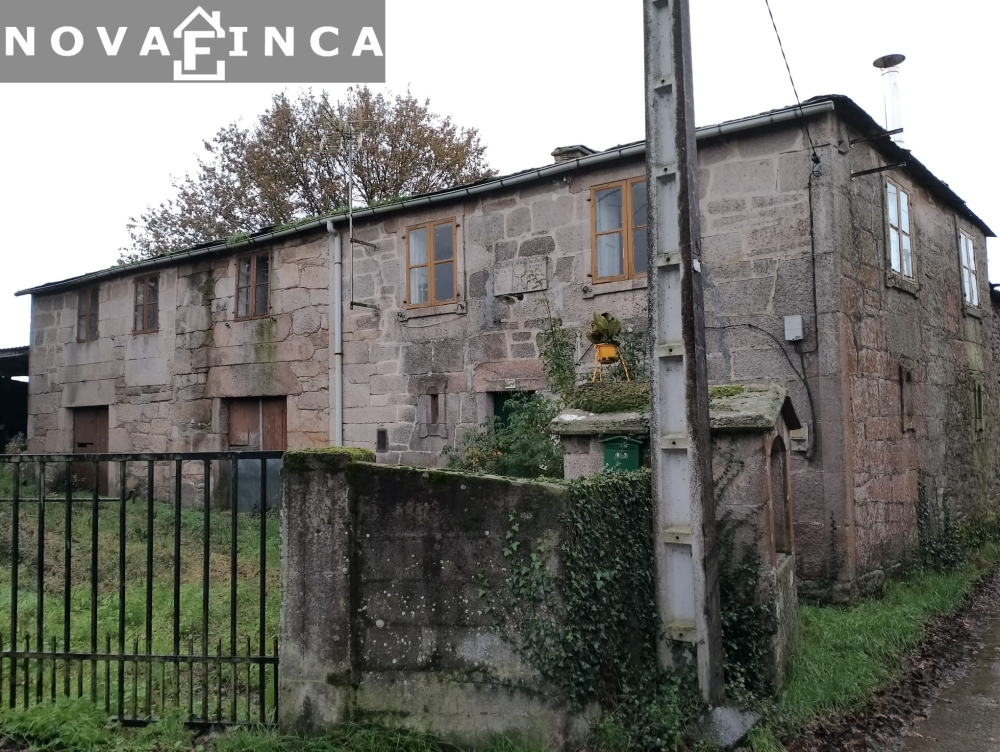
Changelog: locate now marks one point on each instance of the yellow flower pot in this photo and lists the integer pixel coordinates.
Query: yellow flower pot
(607, 354)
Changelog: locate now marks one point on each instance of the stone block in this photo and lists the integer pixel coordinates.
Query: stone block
(487, 348)
(519, 222)
(740, 178)
(552, 212)
(539, 246)
(484, 229)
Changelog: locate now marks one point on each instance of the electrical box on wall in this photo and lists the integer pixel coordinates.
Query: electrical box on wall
(793, 328)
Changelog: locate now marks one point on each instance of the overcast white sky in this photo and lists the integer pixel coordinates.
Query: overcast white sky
(78, 161)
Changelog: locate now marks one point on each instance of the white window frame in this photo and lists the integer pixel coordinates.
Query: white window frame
(970, 277)
(900, 230)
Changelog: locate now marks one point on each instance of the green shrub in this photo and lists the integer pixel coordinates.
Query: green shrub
(521, 448)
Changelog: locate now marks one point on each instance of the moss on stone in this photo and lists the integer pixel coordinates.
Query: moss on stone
(299, 460)
(611, 397)
(726, 390)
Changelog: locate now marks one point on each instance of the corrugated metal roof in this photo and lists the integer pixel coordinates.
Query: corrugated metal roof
(851, 112)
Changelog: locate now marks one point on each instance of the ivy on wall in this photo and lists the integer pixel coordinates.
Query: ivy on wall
(589, 625)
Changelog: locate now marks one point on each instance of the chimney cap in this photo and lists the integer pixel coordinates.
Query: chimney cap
(889, 61)
(567, 153)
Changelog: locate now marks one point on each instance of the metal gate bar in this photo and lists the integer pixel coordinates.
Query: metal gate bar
(161, 672)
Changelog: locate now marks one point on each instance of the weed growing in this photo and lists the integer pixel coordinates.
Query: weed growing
(847, 654)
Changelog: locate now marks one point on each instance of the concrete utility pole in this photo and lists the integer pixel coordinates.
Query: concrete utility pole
(686, 557)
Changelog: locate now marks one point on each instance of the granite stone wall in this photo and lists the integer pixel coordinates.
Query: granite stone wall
(382, 615)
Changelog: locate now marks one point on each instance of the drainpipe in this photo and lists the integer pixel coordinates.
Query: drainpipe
(337, 305)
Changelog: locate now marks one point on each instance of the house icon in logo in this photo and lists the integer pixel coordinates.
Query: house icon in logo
(186, 69)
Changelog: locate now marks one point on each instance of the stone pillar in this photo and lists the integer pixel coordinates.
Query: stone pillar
(317, 530)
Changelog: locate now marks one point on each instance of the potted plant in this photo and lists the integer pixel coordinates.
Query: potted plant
(604, 332)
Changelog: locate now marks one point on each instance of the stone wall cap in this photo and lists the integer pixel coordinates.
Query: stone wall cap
(573, 422)
(742, 408)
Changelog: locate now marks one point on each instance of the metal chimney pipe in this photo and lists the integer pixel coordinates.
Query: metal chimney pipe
(889, 64)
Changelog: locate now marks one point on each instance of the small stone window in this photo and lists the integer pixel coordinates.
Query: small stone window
(970, 280)
(432, 408)
(88, 302)
(381, 440)
(147, 305)
(906, 398)
(900, 244)
(619, 230)
(431, 277)
(253, 287)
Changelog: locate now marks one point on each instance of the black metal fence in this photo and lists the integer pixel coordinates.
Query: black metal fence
(160, 594)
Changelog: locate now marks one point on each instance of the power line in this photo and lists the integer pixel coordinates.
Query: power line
(781, 46)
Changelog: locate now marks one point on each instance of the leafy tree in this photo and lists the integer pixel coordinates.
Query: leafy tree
(288, 165)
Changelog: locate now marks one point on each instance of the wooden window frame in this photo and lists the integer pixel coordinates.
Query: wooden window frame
(970, 274)
(144, 281)
(901, 274)
(88, 306)
(253, 258)
(627, 230)
(431, 263)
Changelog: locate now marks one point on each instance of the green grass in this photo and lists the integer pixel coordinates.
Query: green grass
(78, 726)
(847, 654)
(165, 682)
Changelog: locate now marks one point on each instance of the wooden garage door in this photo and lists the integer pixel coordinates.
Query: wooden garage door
(90, 436)
(258, 424)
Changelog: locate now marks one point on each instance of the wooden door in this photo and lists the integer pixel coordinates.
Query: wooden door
(258, 424)
(90, 436)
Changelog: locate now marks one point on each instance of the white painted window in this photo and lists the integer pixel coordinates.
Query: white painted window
(900, 247)
(970, 281)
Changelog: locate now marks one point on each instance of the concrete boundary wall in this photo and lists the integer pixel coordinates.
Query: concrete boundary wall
(381, 616)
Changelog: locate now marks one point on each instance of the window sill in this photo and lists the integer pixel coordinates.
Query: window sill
(423, 313)
(973, 311)
(606, 288)
(901, 283)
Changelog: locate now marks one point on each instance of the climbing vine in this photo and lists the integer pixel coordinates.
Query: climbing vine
(589, 626)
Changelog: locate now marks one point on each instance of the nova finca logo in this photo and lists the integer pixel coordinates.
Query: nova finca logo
(320, 41)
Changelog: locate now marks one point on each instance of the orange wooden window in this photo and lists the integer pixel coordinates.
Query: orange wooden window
(619, 230)
(431, 277)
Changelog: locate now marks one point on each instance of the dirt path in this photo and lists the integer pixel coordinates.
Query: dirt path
(948, 698)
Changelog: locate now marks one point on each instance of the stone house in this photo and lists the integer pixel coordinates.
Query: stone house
(806, 213)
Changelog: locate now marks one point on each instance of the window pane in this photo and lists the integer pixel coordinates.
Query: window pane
(140, 292)
(639, 204)
(243, 277)
(263, 264)
(894, 250)
(640, 261)
(444, 237)
(260, 307)
(81, 327)
(974, 288)
(153, 315)
(610, 256)
(444, 281)
(907, 257)
(609, 209)
(95, 299)
(418, 285)
(418, 247)
(137, 324)
(243, 302)
(904, 212)
(966, 285)
(893, 206)
(153, 282)
(92, 334)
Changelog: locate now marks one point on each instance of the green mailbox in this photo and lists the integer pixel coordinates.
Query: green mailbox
(622, 453)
